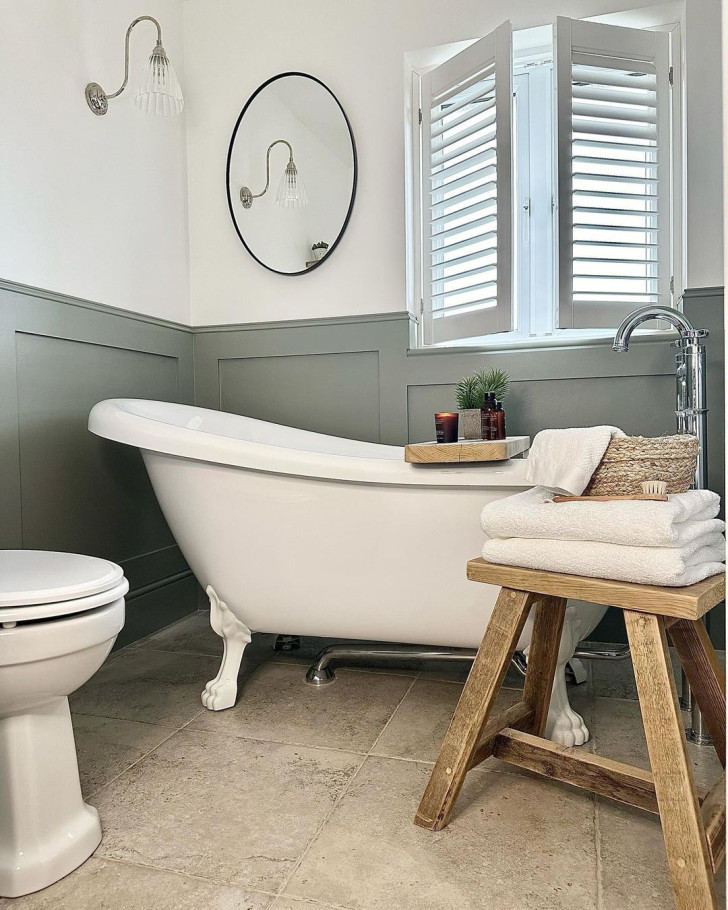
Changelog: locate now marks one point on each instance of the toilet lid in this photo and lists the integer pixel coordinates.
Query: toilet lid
(30, 577)
(35, 612)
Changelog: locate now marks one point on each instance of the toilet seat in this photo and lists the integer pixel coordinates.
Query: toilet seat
(42, 584)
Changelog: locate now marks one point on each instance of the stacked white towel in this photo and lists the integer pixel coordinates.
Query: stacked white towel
(678, 542)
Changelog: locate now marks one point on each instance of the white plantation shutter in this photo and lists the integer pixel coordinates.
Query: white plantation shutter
(613, 136)
(466, 191)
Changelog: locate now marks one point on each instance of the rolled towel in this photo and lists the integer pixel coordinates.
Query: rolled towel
(564, 460)
(533, 513)
(672, 566)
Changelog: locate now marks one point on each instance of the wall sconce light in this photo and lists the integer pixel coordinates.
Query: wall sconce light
(291, 191)
(158, 91)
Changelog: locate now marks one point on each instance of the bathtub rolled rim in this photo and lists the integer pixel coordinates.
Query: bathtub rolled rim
(122, 420)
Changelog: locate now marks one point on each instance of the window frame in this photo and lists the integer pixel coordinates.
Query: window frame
(658, 18)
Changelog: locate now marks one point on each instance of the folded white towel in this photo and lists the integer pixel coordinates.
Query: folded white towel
(679, 521)
(564, 460)
(673, 566)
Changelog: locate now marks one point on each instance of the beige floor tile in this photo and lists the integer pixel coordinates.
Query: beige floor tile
(194, 634)
(419, 724)
(618, 734)
(227, 809)
(295, 903)
(418, 727)
(513, 844)
(155, 687)
(615, 679)
(276, 703)
(634, 874)
(457, 671)
(107, 746)
(106, 885)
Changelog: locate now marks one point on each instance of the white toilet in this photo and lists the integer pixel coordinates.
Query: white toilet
(60, 614)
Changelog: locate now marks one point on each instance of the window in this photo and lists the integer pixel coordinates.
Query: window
(546, 184)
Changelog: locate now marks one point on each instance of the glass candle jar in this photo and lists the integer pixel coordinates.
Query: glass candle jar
(446, 426)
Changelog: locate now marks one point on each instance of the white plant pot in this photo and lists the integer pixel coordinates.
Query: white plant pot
(470, 423)
(319, 254)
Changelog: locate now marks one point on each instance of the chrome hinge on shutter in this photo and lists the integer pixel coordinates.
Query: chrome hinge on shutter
(669, 78)
(672, 284)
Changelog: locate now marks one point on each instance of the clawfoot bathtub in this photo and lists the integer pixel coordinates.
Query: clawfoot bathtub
(295, 532)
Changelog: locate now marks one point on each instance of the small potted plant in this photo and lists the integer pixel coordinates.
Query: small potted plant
(319, 250)
(469, 398)
(470, 393)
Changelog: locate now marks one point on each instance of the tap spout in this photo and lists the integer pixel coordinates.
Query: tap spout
(630, 323)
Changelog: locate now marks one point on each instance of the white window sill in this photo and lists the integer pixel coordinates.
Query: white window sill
(565, 339)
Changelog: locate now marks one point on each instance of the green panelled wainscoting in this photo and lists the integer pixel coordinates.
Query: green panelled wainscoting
(352, 376)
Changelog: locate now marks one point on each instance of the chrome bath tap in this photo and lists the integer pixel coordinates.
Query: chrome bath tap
(692, 417)
(691, 410)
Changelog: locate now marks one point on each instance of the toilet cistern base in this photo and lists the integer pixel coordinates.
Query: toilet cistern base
(46, 829)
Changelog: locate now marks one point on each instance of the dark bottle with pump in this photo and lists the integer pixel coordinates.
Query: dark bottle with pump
(499, 419)
(487, 425)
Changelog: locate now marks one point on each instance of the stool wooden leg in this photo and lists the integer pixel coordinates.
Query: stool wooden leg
(682, 825)
(481, 690)
(542, 659)
(705, 675)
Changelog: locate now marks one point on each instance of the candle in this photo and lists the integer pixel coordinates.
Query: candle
(446, 426)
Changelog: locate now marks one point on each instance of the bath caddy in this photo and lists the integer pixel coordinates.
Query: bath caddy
(466, 450)
(693, 819)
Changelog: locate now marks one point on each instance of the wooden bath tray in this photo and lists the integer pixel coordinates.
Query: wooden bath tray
(466, 450)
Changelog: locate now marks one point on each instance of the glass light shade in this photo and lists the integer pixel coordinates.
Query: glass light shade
(291, 191)
(159, 91)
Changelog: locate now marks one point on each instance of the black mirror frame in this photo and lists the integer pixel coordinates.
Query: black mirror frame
(250, 100)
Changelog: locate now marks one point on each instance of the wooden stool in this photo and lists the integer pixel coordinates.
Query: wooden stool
(693, 819)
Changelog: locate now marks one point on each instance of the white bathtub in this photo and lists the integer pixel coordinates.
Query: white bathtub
(296, 532)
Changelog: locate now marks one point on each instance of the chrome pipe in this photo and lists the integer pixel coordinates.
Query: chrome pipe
(586, 653)
(320, 672)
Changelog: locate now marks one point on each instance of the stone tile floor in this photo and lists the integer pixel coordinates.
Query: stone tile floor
(303, 798)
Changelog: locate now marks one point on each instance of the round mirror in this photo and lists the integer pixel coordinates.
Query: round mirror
(291, 174)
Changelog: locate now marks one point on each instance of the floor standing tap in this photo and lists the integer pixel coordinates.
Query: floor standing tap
(692, 417)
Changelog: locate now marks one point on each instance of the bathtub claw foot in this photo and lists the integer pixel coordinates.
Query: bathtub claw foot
(221, 692)
(219, 695)
(563, 725)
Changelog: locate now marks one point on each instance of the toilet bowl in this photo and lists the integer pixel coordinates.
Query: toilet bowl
(60, 614)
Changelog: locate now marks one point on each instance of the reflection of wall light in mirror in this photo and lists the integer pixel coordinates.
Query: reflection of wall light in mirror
(158, 91)
(291, 191)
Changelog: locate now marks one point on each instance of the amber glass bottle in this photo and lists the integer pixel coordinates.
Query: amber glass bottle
(487, 425)
(499, 419)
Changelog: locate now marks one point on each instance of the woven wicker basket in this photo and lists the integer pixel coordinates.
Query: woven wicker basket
(630, 460)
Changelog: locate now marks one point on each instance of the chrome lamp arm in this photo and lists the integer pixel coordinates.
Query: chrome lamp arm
(246, 196)
(96, 97)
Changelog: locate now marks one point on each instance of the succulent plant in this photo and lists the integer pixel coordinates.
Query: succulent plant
(321, 245)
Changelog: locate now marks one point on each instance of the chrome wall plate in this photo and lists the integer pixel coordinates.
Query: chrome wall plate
(96, 99)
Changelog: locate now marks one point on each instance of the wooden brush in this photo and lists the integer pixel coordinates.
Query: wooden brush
(652, 491)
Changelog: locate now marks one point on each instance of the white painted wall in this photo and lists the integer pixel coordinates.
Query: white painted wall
(704, 165)
(90, 206)
(358, 50)
(98, 207)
